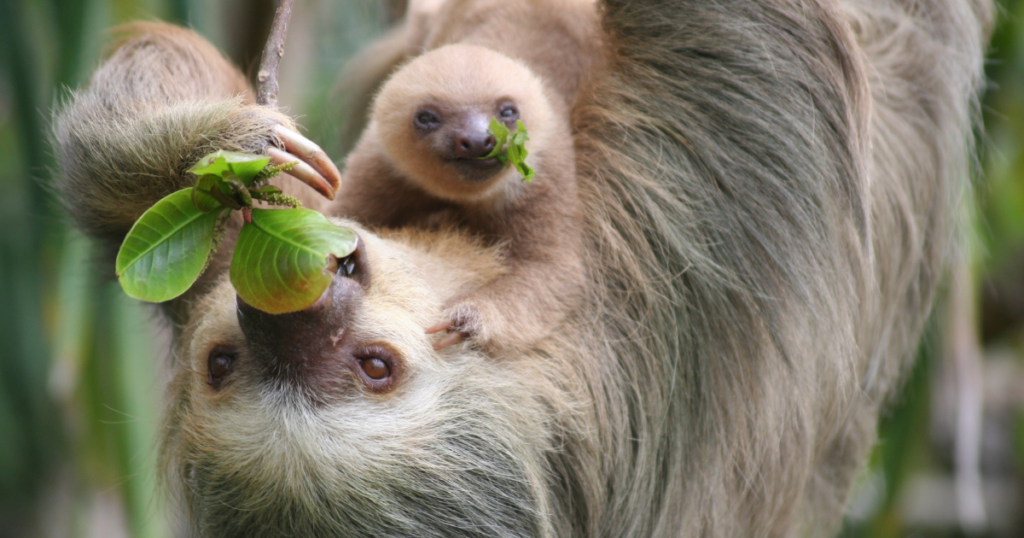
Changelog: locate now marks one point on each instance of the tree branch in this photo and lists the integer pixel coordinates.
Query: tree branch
(266, 93)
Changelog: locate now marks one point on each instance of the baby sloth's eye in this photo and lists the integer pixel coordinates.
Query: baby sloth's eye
(509, 111)
(427, 119)
(219, 364)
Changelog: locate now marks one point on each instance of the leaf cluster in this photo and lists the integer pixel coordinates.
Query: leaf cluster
(510, 147)
(281, 255)
(234, 180)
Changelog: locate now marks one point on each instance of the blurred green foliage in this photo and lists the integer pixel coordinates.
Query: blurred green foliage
(995, 255)
(80, 363)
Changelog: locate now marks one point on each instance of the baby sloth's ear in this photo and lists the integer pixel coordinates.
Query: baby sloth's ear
(314, 351)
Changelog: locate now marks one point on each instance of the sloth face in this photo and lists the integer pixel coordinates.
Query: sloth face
(458, 135)
(342, 420)
(433, 118)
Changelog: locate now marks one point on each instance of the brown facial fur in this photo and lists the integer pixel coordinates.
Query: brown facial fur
(767, 194)
(455, 81)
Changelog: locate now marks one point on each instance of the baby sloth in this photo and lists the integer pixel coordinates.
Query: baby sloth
(419, 163)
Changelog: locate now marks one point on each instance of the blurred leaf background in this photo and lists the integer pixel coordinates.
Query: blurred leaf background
(81, 365)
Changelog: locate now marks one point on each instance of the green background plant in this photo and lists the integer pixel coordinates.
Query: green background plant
(80, 362)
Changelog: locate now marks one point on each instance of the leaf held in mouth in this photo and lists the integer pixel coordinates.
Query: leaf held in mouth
(510, 147)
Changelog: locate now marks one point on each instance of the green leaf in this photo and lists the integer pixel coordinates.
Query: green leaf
(520, 136)
(515, 152)
(201, 196)
(244, 165)
(166, 250)
(500, 133)
(238, 190)
(281, 256)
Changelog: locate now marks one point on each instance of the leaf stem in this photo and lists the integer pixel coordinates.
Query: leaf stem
(224, 199)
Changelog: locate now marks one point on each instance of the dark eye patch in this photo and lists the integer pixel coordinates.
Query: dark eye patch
(426, 119)
(509, 111)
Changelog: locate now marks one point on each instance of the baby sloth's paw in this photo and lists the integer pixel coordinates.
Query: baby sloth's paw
(461, 321)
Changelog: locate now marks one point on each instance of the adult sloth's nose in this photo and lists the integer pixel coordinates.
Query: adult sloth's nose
(300, 347)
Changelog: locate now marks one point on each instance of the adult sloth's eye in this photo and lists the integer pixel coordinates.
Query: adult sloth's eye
(375, 368)
(219, 364)
(379, 367)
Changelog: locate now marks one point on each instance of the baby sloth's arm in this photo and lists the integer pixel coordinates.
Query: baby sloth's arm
(542, 283)
(376, 194)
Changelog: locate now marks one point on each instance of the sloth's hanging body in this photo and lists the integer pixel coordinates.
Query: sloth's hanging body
(764, 192)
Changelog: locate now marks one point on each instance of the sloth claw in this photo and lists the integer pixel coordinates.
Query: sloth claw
(450, 339)
(314, 167)
(301, 171)
(462, 323)
(309, 153)
(442, 326)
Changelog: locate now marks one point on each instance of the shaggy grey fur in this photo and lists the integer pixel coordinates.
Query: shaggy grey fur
(769, 191)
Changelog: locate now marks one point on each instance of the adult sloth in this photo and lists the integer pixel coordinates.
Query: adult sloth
(768, 193)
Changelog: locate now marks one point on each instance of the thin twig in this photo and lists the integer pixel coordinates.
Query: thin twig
(266, 93)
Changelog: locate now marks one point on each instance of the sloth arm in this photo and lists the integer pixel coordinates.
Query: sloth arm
(543, 278)
(164, 98)
(375, 194)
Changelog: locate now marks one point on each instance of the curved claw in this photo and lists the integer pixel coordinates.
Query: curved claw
(301, 171)
(457, 332)
(451, 338)
(461, 322)
(442, 326)
(310, 153)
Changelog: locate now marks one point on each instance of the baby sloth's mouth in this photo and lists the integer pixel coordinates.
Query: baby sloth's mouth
(477, 170)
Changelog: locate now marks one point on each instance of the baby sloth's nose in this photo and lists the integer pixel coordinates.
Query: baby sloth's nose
(470, 143)
(304, 347)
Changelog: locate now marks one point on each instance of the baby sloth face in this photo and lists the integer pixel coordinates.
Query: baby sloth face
(459, 135)
(433, 117)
